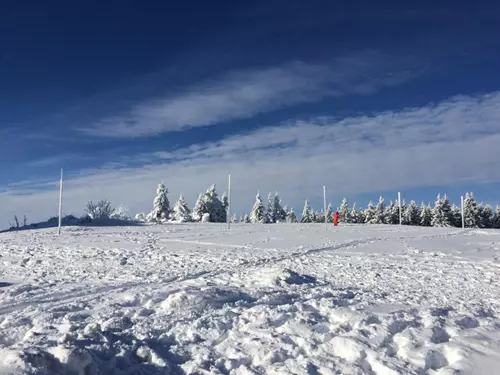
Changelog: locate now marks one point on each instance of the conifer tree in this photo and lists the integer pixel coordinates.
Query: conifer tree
(199, 209)
(486, 216)
(412, 214)
(394, 213)
(441, 214)
(379, 212)
(306, 213)
(370, 213)
(246, 219)
(404, 217)
(279, 211)
(329, 213)
(496, 219)
(258, 214)
(471, 212)
(291, 217)
(425, 215)
(181, 212)
(270, 209)
(455, 216)
(161, 205)
(354, 214)
(344, 214)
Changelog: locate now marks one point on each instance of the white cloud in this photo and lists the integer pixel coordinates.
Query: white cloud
(243, 94)
(453, 142)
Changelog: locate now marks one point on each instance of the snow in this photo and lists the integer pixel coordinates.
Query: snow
(255, 299)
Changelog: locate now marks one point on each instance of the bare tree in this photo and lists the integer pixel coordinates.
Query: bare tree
(16, 222)
(25, 221)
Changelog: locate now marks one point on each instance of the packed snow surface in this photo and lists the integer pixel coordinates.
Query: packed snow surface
(255, 299)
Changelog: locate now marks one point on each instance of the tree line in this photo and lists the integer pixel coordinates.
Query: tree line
(210, 208)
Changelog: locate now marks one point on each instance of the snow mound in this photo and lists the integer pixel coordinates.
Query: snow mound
(276, 276)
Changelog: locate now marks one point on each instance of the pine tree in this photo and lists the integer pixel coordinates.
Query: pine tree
(225, 205)
(441, 214)
(199, 209)
(258, 214)
(291, 217)
(496, 219)
(455, 216)
(344, 214)
(306, 213)
(412, 214)
(379, 212)
(361, 216)
(242, 220)
(404, 208)
(425, 215)
(329, 213)
(161, 205)
(271, 212)
(234, 219)
(246, 219)
(370, 213)
(279, 211)
(354, 214)
(486, 216)
(394, 213)
(471, 212)
(214, 206)
(181, 212)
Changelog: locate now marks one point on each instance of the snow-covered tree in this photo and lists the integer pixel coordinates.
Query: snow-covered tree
(291, 217)
(121, 213)
(246, 219)
(199, 209)
(361, 216)
(441, 214)
(425, 215)
(455, 216)
(258, 214)
(392, 213)
(279, 211)
(225, 205)
(234, 219)
(379, 212)
(205, 218)
(404, 217)
(412, 214)
(161, 205)
(181, 212)
(471, 212)
(344, 214)
(140, 217)
(214, 206)
(329, 213)
(496, 219)
(369, 213)
(486, 216)
(354, 214)
(306, 213)
(270, 209)
(102, 210)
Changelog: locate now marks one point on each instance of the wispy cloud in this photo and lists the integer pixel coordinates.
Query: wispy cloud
(449, 143)
(243, 94)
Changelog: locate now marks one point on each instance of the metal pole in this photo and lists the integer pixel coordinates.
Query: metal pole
(399, 203)
(324, 206)
(229, 203)
(462, 211)
(60, 203)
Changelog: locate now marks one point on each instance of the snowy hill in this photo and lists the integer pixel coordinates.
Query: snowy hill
(257, 299)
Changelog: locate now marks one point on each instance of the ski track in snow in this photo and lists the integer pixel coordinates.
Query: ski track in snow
(255, 299)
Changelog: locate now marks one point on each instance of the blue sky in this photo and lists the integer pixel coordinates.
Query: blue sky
(364, 98)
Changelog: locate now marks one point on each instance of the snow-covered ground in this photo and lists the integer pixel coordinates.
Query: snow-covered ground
(257, 299)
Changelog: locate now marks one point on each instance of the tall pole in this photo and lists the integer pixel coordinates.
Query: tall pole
(399, 203)
(324, 206)
(229, 202)
(462, 211)
(60, 203)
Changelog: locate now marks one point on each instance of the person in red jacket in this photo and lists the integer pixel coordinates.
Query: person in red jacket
(336, 218)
